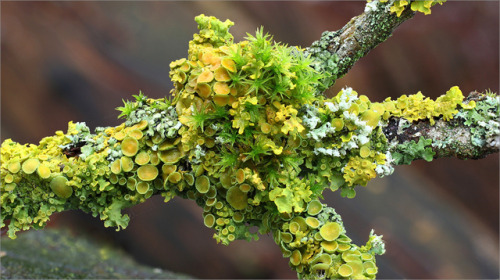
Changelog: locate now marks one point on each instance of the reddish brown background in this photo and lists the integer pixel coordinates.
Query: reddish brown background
(63, 61)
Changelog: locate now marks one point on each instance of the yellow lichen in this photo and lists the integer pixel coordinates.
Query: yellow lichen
(205, 77)
(330, 231)
(126, 164)
(44, 171)
(417, 107)
(202, 184)
(59, 186)
(130, 146)
(142, 158)
(30, 165)
(147, 172)
(142, 187)
(236, 198)
(314, 207)
(209, 220)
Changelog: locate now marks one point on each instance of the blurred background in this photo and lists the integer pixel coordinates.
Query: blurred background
(65, 61)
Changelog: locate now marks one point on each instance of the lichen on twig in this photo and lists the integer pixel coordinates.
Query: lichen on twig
(249, 137)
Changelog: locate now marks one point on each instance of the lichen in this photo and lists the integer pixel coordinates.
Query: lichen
(418, 107)
(247, 136)
(399, 6)
(324, 60)
(409, 151)
(484, 121)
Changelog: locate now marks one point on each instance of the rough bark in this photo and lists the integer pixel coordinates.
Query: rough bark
(455, 130)
(337, 51)
(453, 138)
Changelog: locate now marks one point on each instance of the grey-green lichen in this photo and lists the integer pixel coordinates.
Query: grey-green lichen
(324, 61)
(484, 121)
(247, 136)
(337, 51)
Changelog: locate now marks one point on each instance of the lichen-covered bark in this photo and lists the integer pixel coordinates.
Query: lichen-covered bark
(471, 134)
(455, 132)
(362, 34)
(337, 51)
(250, 139)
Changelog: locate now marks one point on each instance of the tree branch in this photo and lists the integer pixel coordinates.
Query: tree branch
(246, 139)
(337, 51)
(470, 135)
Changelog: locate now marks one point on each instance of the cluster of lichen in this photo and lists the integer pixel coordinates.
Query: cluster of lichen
(398, 6)
(409, 151)
(418, 107)
(484, 121)
(247, 136)
(318, 246)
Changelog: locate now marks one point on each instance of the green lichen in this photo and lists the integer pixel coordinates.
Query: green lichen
(247, 136)
(409, 151)
(483, 120)
(324, 60)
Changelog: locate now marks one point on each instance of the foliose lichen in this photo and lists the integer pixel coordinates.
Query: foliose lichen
(397, 6)
(484, 121)
(247, 136)
(409, 151)
(418, 107)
